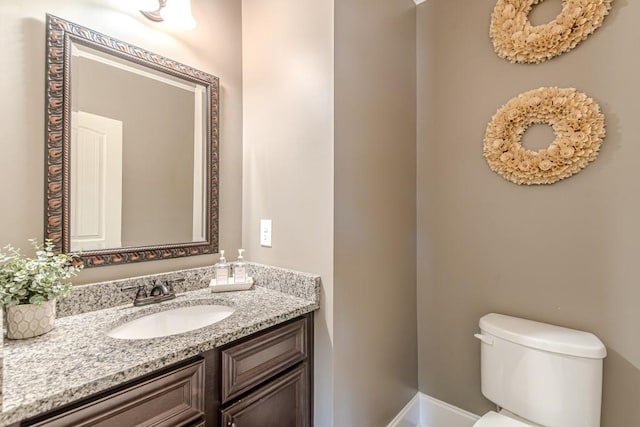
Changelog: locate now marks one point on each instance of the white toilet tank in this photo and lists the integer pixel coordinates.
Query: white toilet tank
(546, 374)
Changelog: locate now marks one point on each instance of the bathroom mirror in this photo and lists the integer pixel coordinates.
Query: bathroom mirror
(131, 150)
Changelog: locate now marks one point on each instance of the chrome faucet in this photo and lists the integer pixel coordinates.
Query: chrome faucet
(159, 292)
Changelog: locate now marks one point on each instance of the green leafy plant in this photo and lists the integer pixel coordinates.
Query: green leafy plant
(35, 280)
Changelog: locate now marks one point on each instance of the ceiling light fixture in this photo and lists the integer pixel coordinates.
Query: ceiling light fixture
(175, 13)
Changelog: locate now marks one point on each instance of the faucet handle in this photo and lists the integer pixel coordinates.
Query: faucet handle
(140, 293)
(169, 284)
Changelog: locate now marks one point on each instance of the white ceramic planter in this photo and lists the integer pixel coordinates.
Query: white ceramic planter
(30, 320)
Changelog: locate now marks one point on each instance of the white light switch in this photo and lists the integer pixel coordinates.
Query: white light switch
(265, 232)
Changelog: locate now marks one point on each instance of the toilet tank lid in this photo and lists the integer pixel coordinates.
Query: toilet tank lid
(543, 336)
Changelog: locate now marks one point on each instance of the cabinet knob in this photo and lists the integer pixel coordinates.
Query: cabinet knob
(231, 423)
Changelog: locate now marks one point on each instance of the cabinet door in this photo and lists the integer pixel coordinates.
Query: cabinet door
(261, 357)
(280, 403)
(174, 398)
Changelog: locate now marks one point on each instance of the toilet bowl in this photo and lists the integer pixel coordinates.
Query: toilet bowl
(502, 419)
(539, 374)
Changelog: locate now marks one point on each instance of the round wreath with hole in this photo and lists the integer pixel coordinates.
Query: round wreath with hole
(515, 39)
(578, 125)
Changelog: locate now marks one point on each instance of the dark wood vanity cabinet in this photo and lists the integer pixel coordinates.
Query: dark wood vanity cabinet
(263, 380)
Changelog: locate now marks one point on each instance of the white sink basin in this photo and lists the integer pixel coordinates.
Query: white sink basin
(171, 322)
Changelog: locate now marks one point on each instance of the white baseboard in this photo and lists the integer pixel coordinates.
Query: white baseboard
(425, 411)
(410, 415)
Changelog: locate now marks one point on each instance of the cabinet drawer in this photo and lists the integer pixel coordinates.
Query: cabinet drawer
(279, 403)
(172, 399)
(251, 362)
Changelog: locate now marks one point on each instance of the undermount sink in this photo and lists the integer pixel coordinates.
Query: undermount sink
(171, 322)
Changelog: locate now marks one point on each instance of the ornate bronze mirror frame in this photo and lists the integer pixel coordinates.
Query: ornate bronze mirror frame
(63, 37)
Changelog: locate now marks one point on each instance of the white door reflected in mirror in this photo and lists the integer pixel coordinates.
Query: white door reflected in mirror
(96, 182)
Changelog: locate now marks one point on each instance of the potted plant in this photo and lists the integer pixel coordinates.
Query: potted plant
(30, 286)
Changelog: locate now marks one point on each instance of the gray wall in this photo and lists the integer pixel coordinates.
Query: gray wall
(346, 203)
(157, 152)
(375, 347)
(288, 153)
(213, 46)
(563, 254)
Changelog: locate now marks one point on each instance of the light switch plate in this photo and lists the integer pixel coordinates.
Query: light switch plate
(265, 233)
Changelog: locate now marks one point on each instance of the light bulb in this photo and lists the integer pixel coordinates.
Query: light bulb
(147, 5)
(177, 14)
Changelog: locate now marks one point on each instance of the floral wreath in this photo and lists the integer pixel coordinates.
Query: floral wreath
(515, 39)
(577, 123)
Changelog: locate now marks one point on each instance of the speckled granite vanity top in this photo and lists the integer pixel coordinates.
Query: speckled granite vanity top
(78, 359)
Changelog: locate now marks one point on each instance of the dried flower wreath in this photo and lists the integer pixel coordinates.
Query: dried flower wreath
(577, 122)
(515, 39)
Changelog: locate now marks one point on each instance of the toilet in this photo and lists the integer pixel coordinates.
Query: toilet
(539, 374)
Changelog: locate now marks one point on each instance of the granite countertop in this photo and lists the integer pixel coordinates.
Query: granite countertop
(78, 359)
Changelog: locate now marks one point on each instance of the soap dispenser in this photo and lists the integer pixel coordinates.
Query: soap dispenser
(221, 270)
(240, 268)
